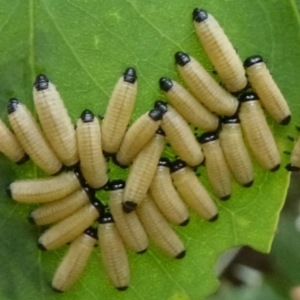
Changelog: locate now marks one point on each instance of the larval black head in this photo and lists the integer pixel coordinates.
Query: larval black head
(252, 60)
(199, 15)
(12, 105)
(130, 75)
(165, 84)
(116, 185)
(182, 58)
(41, 82)
(87, 116)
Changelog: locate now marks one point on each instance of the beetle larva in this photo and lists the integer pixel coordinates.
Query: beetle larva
(295, 158)
(74, 261)
(165, 195)
(113, 253)
(55, 120)
(180, 135)
(92, 162)
(68, 229)
(129, 225)
(204, 87)
(31, 138)
(267, 90)
(235, 151)
(258, 133)
(60, 209)
(159, 230)
(10, 146)
(190, 109)
(192, 191)
(217, 169)
(142, 172)
(220, 51)
(45, 189)
(118, 112)
(138, 135)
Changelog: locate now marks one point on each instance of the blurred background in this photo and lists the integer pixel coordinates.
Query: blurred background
(247, 274)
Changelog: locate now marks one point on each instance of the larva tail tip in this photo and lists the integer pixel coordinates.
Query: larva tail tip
(199, 15)
(129, 206)
(185, 222)
(59, 171)
(41, 246)
(276, 168)
(117, 163)
(142, 252)
(286, 120)
(181, 255)
(291, 168)
(225, 198)
(41, 82)
(248, 184)
(57, 290)
(23, 160)
(8, 191)
(30, 218)
(214, 218)
(122, 288)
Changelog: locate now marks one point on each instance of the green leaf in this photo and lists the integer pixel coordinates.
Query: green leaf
(84, 46)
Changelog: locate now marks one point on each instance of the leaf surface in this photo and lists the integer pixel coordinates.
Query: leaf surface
(84, 46)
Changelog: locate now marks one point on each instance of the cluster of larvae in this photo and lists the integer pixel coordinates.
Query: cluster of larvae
(157, 191)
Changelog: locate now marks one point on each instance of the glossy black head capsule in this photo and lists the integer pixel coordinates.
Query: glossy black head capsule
(41, 82)
(98, 205)
(207, 137)
(182, 58)
(199, 15)
(155, 114)
(130, 75)
(106, 218)
(160, 131)
(164, 162)
(231, 120)
(87, 116)
(12, 105)
(177, 165)
(248, 96)
(92, 232)
(165, 84)
(117, 185)
(161, 105)
(252, 60)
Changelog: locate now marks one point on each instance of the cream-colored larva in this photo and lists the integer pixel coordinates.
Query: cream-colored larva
(216, 166)
(179, 135)
(159, 230)
(258, 133)
(204, 87)
(267, 90)
(55, 120)
(220, 51)
(68, 229)
(190, 109)
(93, 164)
(60, 209)
(113, 253)
(235, 151)
(31, 138)
(165, 196)
(137, 136)
(74, 261)
(192, 191)
(129, 225)
(45, 189)
(295, 158)
(10, 146)
(118, 112)
(142, 172)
